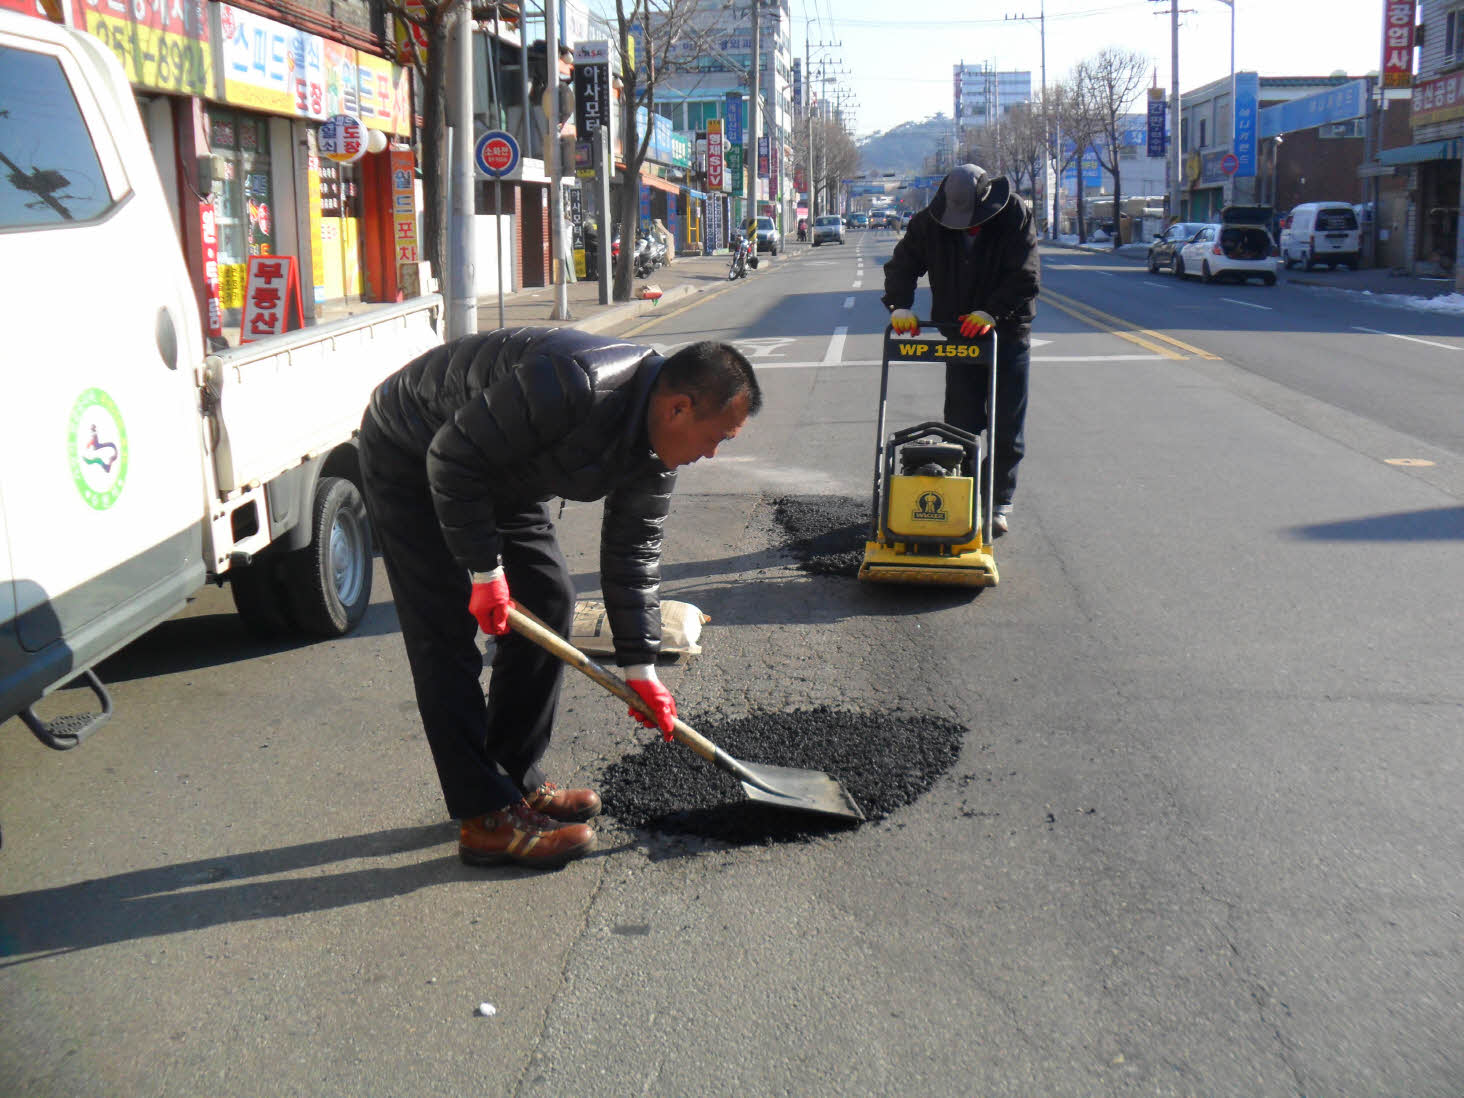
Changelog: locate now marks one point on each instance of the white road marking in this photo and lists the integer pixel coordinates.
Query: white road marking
(1247, 304)
(836, 347)
(857, 282)
(1147, 281)
(1410, 339)
(1105, 274)
(1039, 342)
(848, 301)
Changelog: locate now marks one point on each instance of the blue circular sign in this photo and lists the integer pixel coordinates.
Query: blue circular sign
(496, 154)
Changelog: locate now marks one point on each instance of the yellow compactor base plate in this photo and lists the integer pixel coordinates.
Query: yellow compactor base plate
(887, 564)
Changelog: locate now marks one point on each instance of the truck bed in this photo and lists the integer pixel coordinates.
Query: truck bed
(274, 403)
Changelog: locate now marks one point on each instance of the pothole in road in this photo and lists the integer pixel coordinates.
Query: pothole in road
(825, 533)
(884, 760)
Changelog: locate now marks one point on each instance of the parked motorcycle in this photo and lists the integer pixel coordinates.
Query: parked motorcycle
(741, 254)
(642, 260)
(656, 246)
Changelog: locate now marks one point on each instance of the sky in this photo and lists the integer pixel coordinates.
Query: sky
(898, 69)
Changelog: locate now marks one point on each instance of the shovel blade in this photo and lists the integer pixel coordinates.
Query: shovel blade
(800, 791)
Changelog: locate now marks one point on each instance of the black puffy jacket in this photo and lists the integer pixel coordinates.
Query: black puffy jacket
(521, 415)
(1000, 274)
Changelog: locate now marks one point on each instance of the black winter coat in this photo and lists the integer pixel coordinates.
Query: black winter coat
(1000, 275)
(519, 416)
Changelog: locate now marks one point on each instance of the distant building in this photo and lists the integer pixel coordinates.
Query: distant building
(982, 94)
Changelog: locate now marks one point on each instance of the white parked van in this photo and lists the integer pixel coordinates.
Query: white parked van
(1321, 233)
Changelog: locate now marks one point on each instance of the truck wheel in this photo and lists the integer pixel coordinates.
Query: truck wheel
(259, 596)
(328, 583)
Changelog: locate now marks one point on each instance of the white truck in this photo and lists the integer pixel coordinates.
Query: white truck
(135, 466)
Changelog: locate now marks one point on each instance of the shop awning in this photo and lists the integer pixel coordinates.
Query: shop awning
(660, 184)
(695, 194)
(1417, 154)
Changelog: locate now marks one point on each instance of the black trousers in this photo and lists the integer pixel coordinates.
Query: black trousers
(965, 407)
(487, 751)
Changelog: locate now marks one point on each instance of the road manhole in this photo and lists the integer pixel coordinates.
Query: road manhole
(884, 760)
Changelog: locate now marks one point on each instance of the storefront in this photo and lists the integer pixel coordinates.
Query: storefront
(278, 194)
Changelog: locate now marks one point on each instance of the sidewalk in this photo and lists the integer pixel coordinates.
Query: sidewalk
(534, 306)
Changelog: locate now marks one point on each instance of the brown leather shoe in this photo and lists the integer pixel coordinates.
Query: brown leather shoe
(519, 834)
(571, 805)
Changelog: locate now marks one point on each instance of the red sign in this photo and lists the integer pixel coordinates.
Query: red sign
(498, 155)
(208, 233)
(1229, 163)
(714, 154)
(1439, 100)
(1398, 19)
(271, 297)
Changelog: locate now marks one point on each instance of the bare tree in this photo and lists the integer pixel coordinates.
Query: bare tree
(433, 21)
(1108, 83)
(1075, 128)
(652, 29)
(838, 159)
(1022, 146)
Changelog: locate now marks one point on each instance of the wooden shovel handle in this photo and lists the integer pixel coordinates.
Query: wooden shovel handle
(525, 624)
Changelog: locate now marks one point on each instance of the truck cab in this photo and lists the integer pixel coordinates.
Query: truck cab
(99, 425)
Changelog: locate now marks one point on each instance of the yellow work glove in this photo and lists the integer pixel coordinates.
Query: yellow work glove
(904, 323)
(977, 324)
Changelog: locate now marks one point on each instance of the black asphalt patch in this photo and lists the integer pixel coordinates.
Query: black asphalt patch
(884, 760)
(826, 534)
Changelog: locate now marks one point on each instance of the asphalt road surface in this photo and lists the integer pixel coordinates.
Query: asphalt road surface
(1203, 835)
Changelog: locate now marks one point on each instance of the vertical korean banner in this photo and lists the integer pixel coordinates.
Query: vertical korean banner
(1398, 18)
(733, 112)
(714, 154)
(762, 157)
(1247, 104)
(404, 216)
(1154, 130)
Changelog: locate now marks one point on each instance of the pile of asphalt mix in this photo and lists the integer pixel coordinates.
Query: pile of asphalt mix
(883, 760)
(825, 533)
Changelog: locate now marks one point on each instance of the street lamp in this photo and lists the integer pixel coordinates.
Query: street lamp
(1276, 144)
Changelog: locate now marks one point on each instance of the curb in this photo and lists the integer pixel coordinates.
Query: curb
(629, 310)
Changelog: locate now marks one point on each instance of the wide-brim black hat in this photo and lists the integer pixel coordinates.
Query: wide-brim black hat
(968, 196)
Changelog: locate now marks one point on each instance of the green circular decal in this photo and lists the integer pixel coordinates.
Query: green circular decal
(97, 444)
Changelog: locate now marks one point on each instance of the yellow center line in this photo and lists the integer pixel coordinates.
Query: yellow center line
(1122, 328)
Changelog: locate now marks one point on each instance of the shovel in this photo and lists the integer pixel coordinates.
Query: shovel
(800, 790)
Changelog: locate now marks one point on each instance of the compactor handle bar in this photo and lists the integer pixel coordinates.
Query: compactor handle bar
(946, 351)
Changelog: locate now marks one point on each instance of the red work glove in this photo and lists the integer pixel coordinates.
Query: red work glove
(642, 679)
(904, 323)
(490, 602)
(976, 324)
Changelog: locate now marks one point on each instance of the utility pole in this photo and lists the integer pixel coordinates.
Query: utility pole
(1051, 152)
(551, 161)
(808, 113)
(462, 294)
(754, 116)
(1176, 179)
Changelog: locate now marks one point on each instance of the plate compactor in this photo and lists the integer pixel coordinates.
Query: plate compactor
(932, 521)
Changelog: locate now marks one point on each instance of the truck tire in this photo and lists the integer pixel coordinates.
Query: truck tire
(259, 597)
(328, 583)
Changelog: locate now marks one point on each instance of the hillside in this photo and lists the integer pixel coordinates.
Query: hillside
(904, 148)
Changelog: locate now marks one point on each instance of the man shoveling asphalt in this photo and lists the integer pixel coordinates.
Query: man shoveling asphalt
(461, 451)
